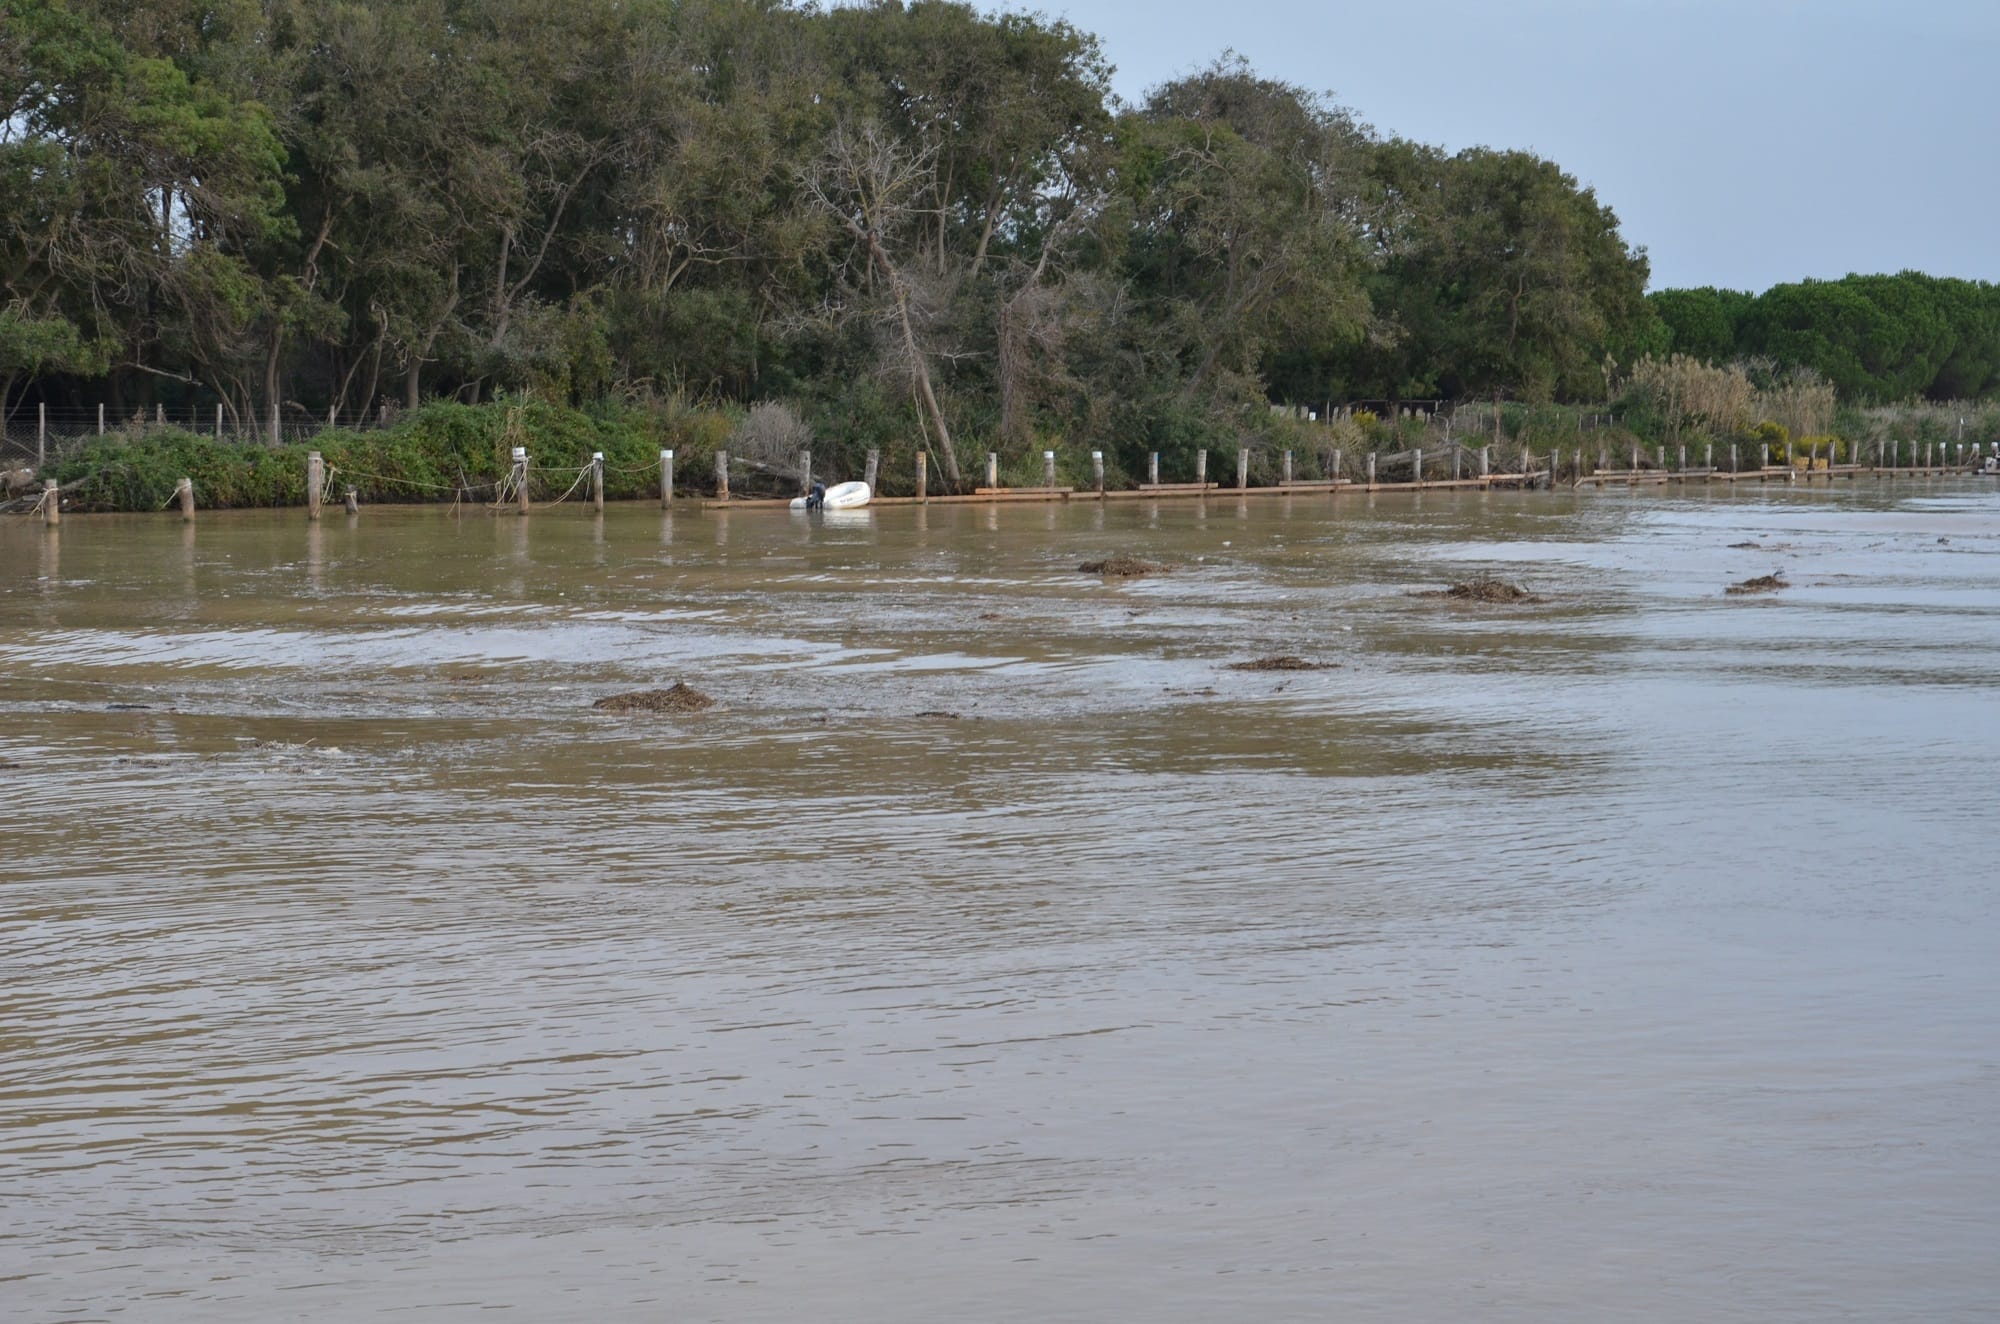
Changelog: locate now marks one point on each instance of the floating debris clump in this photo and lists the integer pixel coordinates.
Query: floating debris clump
(1770, 583)
(1483, 590)
(1123, 567)
(679, 698)
(1286, 662)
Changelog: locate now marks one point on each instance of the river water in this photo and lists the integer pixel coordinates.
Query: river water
(991, 950)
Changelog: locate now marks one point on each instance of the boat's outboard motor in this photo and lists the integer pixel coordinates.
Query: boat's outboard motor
(816, 499)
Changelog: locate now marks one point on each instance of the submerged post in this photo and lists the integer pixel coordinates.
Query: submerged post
(1371, 468)
(521, 479)
(874, 463)
(923, 485)
(992, 469)
(1288, 468)
(1201, 466)
(1417, 467)
(1048, 468)
(351, 500)
(51, 503)
(1242, 468)
(1485, 461)
(1732, 457)
(666, 480)
(1684, 458)
(315, 481)
(1153, 469)
(597, 481)
(1097, 470)
(722, 475)
(184, 489)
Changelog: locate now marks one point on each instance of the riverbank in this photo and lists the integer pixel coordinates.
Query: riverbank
(464, 454)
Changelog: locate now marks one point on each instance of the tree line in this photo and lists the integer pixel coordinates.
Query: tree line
(895, 217)
(1878, 339)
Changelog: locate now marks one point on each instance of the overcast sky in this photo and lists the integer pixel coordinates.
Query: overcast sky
(1742, 142)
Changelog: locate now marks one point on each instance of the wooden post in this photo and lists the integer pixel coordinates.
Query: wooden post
(274, 422)
(521, 479)
(100, 418)
(218, 421)
(1635, 457)
(1153, 469)
(923, 486)
(806, 472)
(1337, 467)
(1201, 466)
(874, 464)
(351, 501)
(1371, 468)
(1097, 470)
(1288, 468)
(992, 469)
(315, 480)
(159, 413)
(1684, 458)
(1485, 461)
(722, 475)
(184, 489)
(332, 414)
(597, 481)
(1242, 468)
(1708, 456)
(41, 434)
(1048, 468)
(1416, 466)
(666, 480)
(51, 503)
(1732, 457)
(1603, 458)
(1457, 463)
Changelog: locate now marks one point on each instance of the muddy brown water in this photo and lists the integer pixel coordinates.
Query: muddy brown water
(1625, 956)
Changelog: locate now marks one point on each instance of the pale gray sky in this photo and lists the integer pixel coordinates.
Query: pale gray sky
(1743, 142)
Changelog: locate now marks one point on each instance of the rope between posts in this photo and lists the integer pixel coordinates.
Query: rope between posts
(581, 474)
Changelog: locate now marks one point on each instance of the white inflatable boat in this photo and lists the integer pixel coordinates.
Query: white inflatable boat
(841, 496)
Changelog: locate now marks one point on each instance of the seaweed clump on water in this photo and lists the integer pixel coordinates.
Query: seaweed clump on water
(679, 698)
(1284, 663)
(1770, 583)
(1483, 590)
(1123, 567)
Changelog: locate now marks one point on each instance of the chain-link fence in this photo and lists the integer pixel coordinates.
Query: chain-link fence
(40, 435)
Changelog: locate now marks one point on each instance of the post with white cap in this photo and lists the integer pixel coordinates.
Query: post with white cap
(666, 480)
(521, 479)
(597, 481)
(1048, 468)
(1097, 470)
